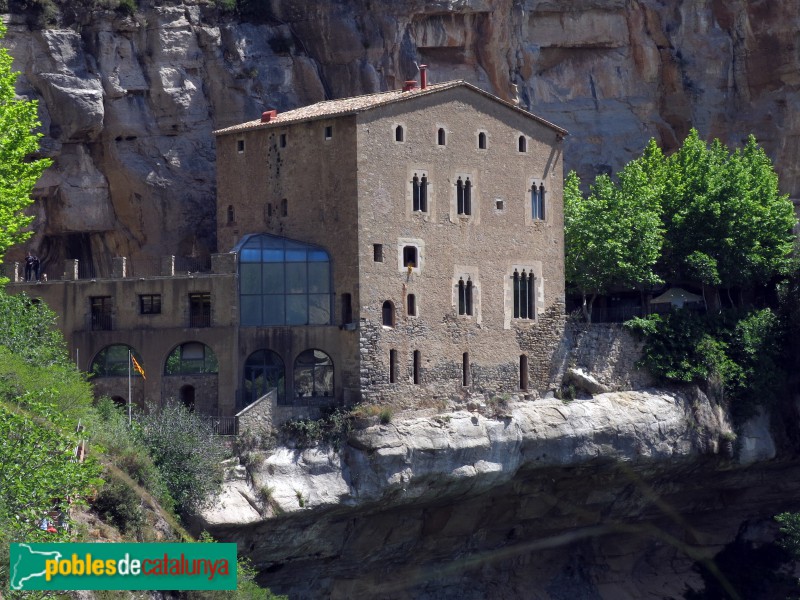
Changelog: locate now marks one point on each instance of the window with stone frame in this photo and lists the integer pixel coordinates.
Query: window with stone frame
(465, 290)
(523, 291)
(464, 196)
(419, 192)
(537, 201)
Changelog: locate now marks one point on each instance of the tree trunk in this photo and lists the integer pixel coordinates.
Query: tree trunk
(586, 308)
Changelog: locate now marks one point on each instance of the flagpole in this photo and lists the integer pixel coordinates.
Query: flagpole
(129, 388)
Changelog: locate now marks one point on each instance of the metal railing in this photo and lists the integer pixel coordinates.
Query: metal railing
(192, 264)
(222, 425)
(101, 321)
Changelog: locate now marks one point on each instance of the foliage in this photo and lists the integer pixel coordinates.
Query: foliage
(18, 172)
(120, 505)
(613, 236)
(726, 223)
(29, 330)
(704, 216)
(332, 428)
(186, 452)
(790, 528)
(739, 351)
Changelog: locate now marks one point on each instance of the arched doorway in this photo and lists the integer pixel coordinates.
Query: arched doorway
(187, 397)
(263, 371)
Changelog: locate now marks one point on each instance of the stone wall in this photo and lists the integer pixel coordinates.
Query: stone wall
(257, 418)
(607, 351)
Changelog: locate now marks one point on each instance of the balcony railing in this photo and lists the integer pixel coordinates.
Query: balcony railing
(222, 425)
(199, 320)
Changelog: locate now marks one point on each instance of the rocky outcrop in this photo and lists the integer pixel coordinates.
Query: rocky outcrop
(128, 103)
(462, 505)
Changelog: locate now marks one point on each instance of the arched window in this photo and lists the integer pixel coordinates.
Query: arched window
(187, 396)
(313, 375)
(419, 193)
(465, 296)
(523, 295)
(283, 282)
(231, 214)
(114, 361)
(537, 201)
(388, 314)
(482, 141)
(441, 136)
(191, 358)
(522, 144)
(411, 305)
(263, 371)
(398, 133)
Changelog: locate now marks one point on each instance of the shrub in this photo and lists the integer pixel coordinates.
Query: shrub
(121, 506)
(332, 428)
(186, 452)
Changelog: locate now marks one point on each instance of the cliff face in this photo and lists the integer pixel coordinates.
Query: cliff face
(128, 104)
(624, 495)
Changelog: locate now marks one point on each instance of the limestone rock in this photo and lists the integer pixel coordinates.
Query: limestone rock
(142, 94)
(584, 381)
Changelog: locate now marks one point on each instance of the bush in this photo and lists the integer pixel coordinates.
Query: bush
(736, 351)
(29, 330)
(332, 428)
(120, 505)
(186, 452)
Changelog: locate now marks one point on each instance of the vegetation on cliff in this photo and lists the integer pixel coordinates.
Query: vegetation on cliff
(18, 143)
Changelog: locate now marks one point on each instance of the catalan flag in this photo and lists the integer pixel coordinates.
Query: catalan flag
(137, 366)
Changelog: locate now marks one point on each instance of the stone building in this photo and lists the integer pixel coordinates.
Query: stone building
(399, 246)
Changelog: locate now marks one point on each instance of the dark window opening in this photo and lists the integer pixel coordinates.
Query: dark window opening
(240, 146)
(441, 137)
(388, 314)
(465, 379)
(187, 397)
(537, 202)
(419, 189)
(499, 204)
(283, 140)
(464, 196)
(522, 144)
(523, 295)
(482, 141)
(417, 367)
(398, 133)
(410, 256)
(392, 366)
(284, 207)
(411, 305)
(465, 296)
(200, 310)
(115, 361)
(523, 372)
(377, 252)
(328, 132)
(150, 304)
(264, 371)
(231, 214)
(101, 313)
(347, 309)
(269, 210)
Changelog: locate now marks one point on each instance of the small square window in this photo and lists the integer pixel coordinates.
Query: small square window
(499, 203)
(150, 304)
(283, 140)
(240, 146)
(377, 252)
(328, 132)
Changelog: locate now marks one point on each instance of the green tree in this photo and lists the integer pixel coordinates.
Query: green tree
(727, 226)
(186, 453)
(18, 143)
(614, 235)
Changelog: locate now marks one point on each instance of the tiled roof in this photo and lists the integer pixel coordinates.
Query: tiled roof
(357, 104)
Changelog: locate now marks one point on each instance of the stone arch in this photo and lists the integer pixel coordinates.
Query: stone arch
(113, 361)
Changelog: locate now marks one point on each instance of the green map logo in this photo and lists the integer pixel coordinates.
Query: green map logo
(88, 566)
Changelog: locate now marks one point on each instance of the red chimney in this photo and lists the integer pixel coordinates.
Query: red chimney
(268, 115)
(410, 84)
(423, 76)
